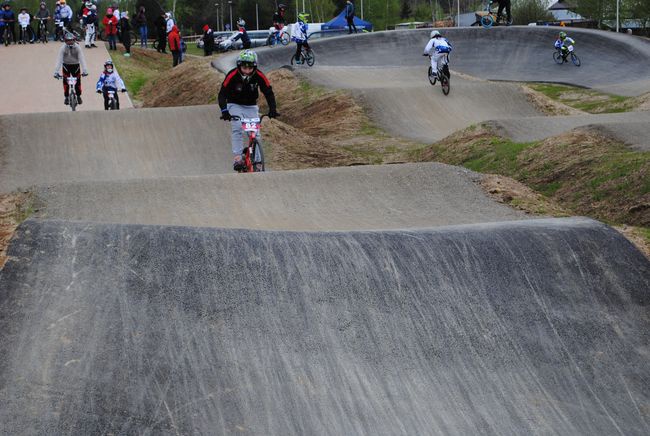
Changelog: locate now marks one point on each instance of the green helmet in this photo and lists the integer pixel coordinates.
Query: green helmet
(303, 17)
(562, 35)
(248, 58)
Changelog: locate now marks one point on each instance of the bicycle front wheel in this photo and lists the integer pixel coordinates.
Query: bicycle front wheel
(444, 82)
(487, 21)
(557, 57)
(284, 39)
(310, 57)
(258, 146)
(575, 59)
(73, 101)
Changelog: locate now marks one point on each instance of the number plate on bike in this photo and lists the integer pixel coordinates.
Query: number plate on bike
(250, 124)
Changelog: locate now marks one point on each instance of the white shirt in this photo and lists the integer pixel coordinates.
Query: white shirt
(23, 19)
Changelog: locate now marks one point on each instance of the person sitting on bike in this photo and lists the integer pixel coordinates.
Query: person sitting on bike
(503, 4)
(278, 19)
(565, 44)
(243, 35)
(438, 48)
(66, 14)
(9, 19)
(70, 58)
(110, 80)
(25, 29)
(42, 15)
(299, 35)
(238, 97)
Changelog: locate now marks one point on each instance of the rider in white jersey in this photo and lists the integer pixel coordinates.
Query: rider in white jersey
(438, 48)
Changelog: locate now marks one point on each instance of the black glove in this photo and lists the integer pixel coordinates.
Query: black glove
(273, 113)
(424, 54)
(123, 89)
(84, 74)
(225, 115)
(57, 76)
(99, 91)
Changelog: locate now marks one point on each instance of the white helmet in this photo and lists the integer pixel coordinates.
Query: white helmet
(434, 33)
(241, 22)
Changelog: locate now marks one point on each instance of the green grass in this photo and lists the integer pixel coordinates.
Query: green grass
(587, 100)
(142, 67)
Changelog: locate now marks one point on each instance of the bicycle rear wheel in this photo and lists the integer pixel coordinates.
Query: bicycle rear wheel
(557, 57)
(487, 21)
(284, 39)
(444, 82)
(575, 59)
(310, 57)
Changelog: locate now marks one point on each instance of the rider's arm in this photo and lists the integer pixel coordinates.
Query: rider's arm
(267, 90)
(82, 61)
(118, 80)
(223, 92)
(427, 49)
(100, 82)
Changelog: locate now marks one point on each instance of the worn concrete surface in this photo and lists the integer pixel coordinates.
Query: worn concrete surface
(369, 197)
(536, 327)
(29, 86)
(39, 149)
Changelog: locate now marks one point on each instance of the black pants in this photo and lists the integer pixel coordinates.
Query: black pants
(162, 42)
(71, 70)
(12, 30)
(176, 56)
(504, 4)
(351, 25)
(117, 99)
(126, 41)
(299, 46)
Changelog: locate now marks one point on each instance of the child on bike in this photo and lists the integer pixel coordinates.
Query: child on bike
(243, 35)
(565, 44)
(299, 35)
(238, 97)
(110, 80)
(42, 15)
(278, 19)
(70, 58)
(438, 48)
(9, 19)
(25, 29)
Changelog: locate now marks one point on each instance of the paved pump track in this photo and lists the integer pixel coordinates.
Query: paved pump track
(154, 292)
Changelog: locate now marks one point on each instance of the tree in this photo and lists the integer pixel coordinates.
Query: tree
(406, 11)
(530, 11)
(598, 10)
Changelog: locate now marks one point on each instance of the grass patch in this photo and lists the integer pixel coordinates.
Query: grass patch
(587, 100)
(141, 68)
(582, 171)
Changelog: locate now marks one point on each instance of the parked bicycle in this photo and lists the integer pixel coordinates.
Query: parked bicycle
(7, 36)
(307, 56)
(252, 128)
(562, 55)
(443, 76)
(487, 18)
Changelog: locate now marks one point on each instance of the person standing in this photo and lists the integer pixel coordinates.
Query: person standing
(349, 16)
(161, 29)
(208, 40)
(175, 45)
(141, 22)
(42, 15)
(125, 32)
(9, 19)
(110, 24)
(90, 24)
(243, 35)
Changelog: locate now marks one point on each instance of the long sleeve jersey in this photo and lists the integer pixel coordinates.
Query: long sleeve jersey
(112, 80)
(245, 92)
(437, 45)
(567, 42)
(70, 55)
(299, 32)
(24, 19)
(65, 12)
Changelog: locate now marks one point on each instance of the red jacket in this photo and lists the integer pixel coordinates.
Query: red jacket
(174, 39)
(110, 23)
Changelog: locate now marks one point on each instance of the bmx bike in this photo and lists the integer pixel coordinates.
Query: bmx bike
(252, 128)
(307, 56)
(42, 30)
(443, 76)
(7, 35)
(73, 98)
(562, 55)
(487, 18)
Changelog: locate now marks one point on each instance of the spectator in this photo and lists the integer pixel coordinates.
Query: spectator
(125, 32)
(208, 40)
(169, 22)
(141, 22)
(9, 18)
(175, 45)
(66, 14)
(243, 35)
(90, 24)
(43, 14)
(111, 24)
(161, 29)
(349, 16)
(26, 32)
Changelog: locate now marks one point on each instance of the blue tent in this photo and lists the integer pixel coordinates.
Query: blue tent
(340, 23)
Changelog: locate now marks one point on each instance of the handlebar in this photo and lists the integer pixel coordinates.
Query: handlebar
(238, 118)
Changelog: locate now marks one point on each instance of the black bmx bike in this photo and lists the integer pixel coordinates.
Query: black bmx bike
(562, 55)
(307, 56)
(443, 76)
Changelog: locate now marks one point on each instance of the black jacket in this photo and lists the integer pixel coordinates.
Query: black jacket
(235, 90)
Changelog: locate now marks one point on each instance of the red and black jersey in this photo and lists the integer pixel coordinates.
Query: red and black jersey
(235, 89)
